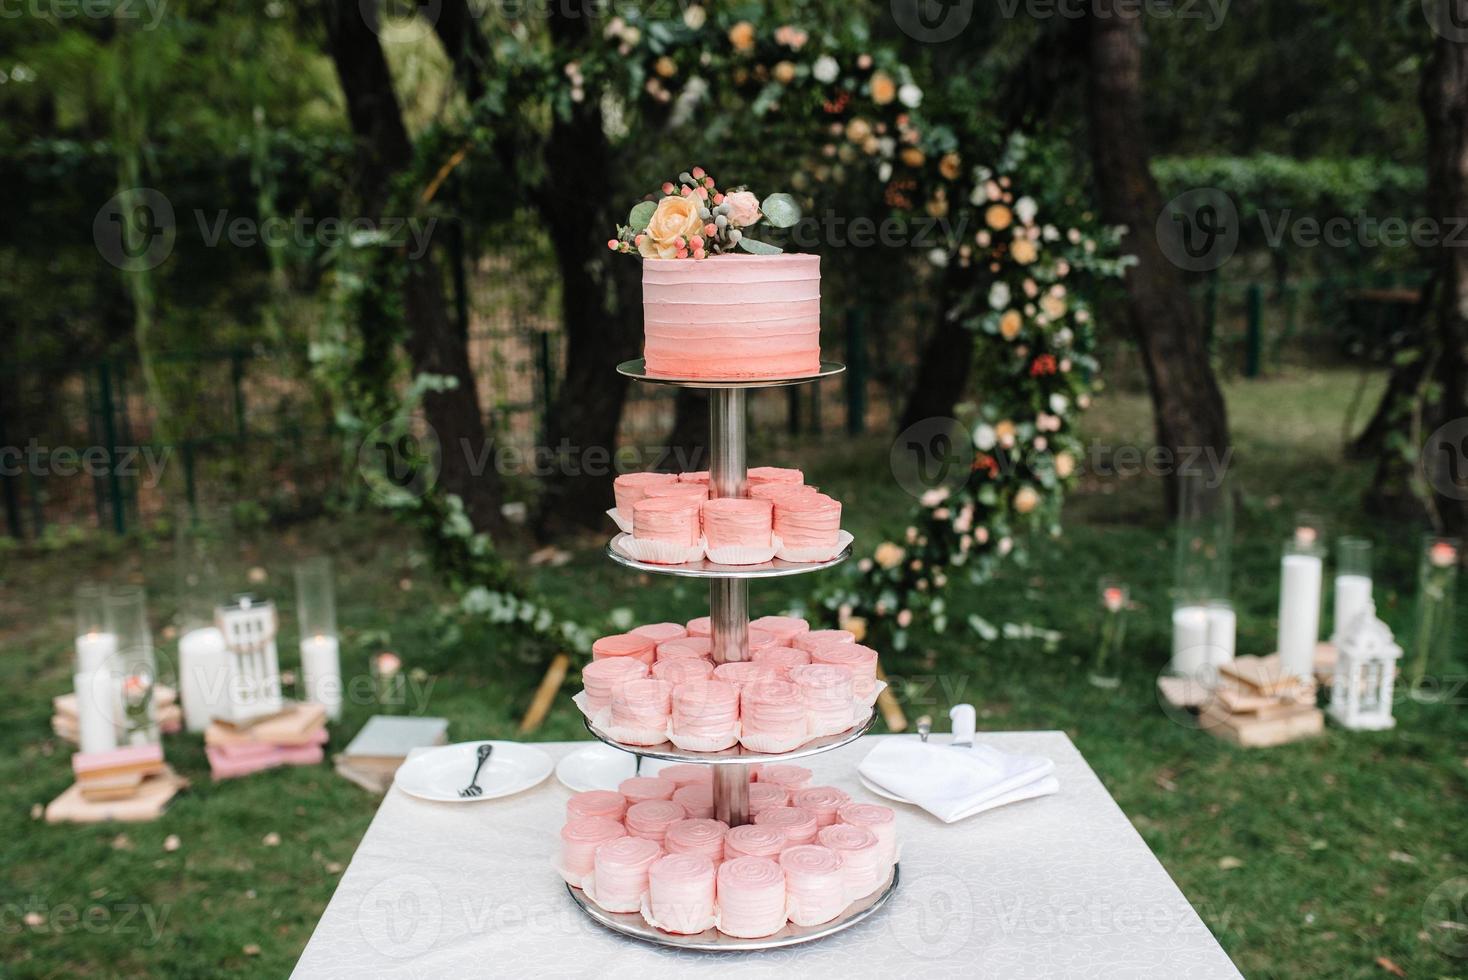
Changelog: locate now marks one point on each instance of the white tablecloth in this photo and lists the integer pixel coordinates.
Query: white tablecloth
(1059, 886)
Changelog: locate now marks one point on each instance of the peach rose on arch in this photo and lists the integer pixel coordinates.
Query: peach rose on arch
(675, 217)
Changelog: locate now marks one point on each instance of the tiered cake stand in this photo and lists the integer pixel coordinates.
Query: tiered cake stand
(729, 618)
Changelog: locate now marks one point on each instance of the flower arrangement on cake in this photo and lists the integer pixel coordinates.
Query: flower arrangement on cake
(691, 218)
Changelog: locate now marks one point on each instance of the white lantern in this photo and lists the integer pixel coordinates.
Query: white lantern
(1365, 672)
(252, 662)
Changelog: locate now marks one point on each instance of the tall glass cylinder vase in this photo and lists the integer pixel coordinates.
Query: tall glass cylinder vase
(1352, 584)
(1105, 666)
(136, 666)
(98, 698)
(1302, 567)
(1203, 620)
(1432, 635)
(320, 648)
(200, 547)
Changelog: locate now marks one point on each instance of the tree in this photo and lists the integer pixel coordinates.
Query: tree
(1186, 399)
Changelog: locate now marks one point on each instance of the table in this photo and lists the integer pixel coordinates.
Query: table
(1059, 886)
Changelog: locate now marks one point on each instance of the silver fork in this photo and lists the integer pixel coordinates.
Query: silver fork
(473, 789)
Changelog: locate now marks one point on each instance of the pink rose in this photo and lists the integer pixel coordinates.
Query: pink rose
(743, 209)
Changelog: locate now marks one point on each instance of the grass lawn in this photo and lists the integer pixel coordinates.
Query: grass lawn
(1312, 859)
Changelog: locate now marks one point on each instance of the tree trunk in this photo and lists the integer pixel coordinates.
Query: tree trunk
(1186, 399)
(435, 345)
(688, 443)
(1445, 106)
(942, 372)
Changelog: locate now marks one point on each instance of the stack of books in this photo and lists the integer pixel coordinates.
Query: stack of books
(130, 783)
(165, 708)
(1256, 704)
(373, 757)
(293, 737)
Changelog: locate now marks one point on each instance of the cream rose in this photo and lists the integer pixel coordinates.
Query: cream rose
(743, 209)
(676, 217)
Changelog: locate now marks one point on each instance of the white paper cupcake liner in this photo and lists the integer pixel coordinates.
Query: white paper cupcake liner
(624, 523)
(648, 917)
(630, 735)
(705, 743)
(657, 552)
(744, 554)
(823, 726)
(773, 744)
(806, 921)
(843, 539)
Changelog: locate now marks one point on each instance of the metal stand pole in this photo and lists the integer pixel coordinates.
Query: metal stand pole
(729, 598)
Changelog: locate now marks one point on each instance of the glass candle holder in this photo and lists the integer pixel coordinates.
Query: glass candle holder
(135, 667)
(1301, 569)
(1203, 558)
(320, 648)
(96, 639)
(1114, 600)
(388, 682)
(1352, 584)
(1432, 636)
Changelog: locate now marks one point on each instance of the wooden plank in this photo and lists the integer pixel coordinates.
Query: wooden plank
(545, 694)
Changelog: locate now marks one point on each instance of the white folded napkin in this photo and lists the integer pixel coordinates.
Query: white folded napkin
(953, 783)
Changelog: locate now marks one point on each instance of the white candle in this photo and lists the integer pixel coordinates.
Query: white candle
(202, 675)
(98, 709)
(1223, 624)
(1352, 596)
(1189, 640)
(321, 663)
(94, 650)
(1299, 613)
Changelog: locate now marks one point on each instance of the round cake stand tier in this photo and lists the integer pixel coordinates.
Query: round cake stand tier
(704, 568)
(637, 370)
(668, 752)
(712, 941)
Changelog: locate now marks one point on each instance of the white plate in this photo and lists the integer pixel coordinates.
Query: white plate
(439, 774)
(599, 766)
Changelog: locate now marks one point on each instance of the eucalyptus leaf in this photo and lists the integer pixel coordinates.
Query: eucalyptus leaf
(640, 216)
(755, 247)
(781, 210)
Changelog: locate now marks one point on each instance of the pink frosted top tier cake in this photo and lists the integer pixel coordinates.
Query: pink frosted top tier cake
(732, 316)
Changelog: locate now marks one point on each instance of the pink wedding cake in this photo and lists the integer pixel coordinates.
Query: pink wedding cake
(732, 316)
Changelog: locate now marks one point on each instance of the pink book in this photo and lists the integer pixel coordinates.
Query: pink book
(129, 757)
(222, 766)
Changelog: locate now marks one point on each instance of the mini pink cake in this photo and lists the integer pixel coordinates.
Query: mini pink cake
(686, 775)
(738, 529)
(683, 669)
(781, 659)
(880, 820)
(624, 645)
(799, 826)
(696, 799)
(774, 474)
(661, 632)
(751, 894)
(596, 803)
(602, 677)
(702, 626)
(580, 837)
(640, 789)
(807, 522)
(860, 660)
(619, 879)
(669, 520)
(688, 646)
(773, 715)
(680, 893)
(697, 836)
(705, 715)
(640, 711)
(698, 492)
(744, 672)
(776, 491)
(652, 818)
(786, 776)
(632, 487)
(752, 840)
(784, 628)
(761, 640)
(697, 476)
(815, 639)
(815, 887)
(829, 691)
(763, 796)
(862, 858)
(732, 316)
(823, 801)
